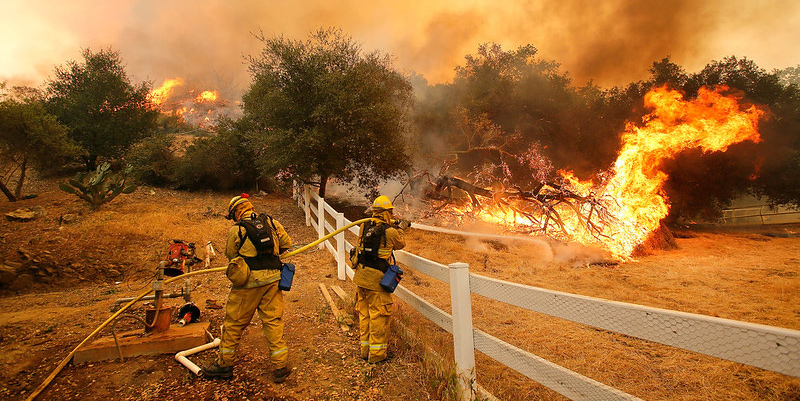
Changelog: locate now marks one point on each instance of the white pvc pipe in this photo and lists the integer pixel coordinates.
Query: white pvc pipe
(181, 356)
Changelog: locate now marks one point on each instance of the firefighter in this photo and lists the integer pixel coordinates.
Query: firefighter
(376, 242)
(253, 248)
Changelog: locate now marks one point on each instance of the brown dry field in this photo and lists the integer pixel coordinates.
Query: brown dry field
(111, 253)
(747, 274)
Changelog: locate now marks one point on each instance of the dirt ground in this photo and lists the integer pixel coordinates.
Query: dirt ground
(112, 253)
(748, 274)
(85, 265)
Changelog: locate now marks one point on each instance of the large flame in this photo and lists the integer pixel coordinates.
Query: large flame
(207, 96)
(160, 94)
(174, 98)
(632, 192)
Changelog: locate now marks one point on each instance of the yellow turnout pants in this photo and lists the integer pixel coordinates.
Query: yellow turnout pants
(374, 312)
(242, 304)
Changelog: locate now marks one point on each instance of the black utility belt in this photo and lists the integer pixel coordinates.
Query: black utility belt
(378, 264)
(263, 262)
(265, 268)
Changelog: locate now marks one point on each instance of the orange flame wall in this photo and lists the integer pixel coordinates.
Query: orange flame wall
(712, 122)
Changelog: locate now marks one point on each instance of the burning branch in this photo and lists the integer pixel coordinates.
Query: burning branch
(546, 209)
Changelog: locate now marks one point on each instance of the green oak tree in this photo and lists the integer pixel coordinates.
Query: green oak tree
(29, 137)
(104, 110)
(322, 108)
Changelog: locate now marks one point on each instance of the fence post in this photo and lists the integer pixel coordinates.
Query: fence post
(463, 346)
(307, 204)
(321, 221)
(340, 247)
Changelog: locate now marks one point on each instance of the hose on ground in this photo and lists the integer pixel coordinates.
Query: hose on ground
(69, 356)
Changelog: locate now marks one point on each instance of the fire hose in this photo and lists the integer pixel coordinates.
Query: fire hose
(69, 356)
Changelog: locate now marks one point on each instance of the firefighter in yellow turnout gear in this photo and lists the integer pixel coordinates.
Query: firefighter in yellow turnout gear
(373, 303)
(255, 277)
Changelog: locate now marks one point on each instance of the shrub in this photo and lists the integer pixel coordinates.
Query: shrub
(221, 162)
(153, 160)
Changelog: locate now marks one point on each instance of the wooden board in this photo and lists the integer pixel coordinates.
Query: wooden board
(336, 313)
(135, 343)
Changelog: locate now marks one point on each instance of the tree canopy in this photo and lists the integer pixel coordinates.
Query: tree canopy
(29, 137)
(105, 112)
(323, 108)
(519, 116)
(510, 102)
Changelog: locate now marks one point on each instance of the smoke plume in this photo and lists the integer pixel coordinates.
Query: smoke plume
(612, 42)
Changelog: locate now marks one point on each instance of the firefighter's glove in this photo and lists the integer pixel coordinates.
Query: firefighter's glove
(404, 224)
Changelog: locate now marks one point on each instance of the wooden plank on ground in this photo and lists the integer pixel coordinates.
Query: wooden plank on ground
(336, 313)
(339, 292)
(343, 296)
(135, 343)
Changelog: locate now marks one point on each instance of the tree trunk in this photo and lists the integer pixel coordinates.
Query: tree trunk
(8, 193)
(22, 170)
(323, 183)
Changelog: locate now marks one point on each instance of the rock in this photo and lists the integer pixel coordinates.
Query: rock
(26, 254)
(23, 282)
(21, 215)
(212, 304)
(7, 274)
(67, 218)
(39, 211)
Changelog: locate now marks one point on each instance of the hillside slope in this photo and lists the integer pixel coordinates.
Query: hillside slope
(79, 269)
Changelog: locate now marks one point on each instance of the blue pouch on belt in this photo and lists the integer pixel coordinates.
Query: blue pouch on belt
(391, 278)
(287, 274)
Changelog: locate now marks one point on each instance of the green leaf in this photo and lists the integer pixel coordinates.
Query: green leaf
(67, 188)
(77, 184)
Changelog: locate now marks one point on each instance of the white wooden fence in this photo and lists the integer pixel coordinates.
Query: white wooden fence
(772, 348)
(760, 215)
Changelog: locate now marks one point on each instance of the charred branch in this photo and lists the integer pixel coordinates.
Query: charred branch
(546, 206)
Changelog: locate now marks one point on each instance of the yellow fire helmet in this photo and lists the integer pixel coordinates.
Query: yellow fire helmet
(382, 203)
(236, 201)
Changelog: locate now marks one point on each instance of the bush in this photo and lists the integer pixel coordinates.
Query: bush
(153, 160)
(221, 162)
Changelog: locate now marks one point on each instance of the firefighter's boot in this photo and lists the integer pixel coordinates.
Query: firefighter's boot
(280, 375)
(215, 371)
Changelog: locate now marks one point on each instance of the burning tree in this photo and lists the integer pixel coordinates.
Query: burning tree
(202, 109)
(627, 203)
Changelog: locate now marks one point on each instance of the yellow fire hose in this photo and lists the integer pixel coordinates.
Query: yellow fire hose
(69, 356)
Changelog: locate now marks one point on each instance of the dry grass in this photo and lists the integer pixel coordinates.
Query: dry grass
(124, 241)
(735, 275)
(748, 277)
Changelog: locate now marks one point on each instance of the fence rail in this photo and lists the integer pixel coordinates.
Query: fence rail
(766, 347)
(763, 215)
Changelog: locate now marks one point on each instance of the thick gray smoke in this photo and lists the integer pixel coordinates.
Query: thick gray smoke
(206, 42)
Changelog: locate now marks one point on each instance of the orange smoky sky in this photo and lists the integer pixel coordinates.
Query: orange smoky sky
(611, 42)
